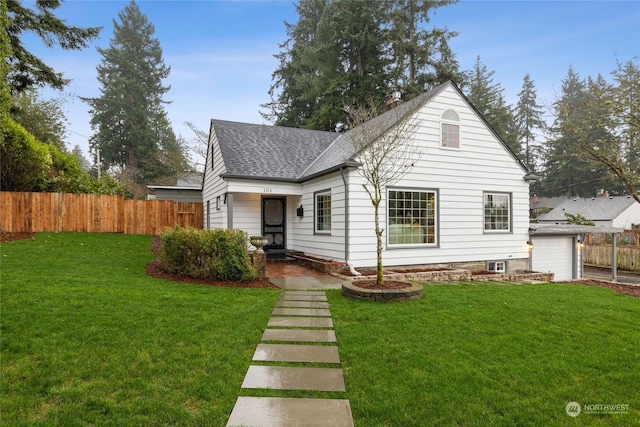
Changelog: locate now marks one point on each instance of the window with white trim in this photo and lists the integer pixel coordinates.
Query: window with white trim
(411, 216)
(497, 212)
(323, 212)
(450, 129)
(497, 266)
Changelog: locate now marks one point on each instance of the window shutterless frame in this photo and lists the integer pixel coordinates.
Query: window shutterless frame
(322, 212)
(412, 217)
(497, 212)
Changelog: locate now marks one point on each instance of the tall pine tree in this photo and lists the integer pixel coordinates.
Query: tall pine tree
(27, 71)
(421, 56)
(489, 100)
(567, 172)
(131, 128)
(341, 52)
(529, 121)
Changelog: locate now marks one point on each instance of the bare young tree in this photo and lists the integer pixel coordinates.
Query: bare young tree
(383, 145)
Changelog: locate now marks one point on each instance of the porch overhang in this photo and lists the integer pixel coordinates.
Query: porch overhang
(254, 186)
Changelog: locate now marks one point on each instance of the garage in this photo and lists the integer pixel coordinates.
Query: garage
(557, 248)
(553, 254)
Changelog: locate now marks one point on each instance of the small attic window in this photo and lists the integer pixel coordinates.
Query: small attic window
(450, 129)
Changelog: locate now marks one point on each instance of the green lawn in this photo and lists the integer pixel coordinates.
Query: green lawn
(491, 355)
(88, 338)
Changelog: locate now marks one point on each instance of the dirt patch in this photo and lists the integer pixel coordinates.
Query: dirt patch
(633, 291)
(388, 284)
(153, 269)
(11, 237)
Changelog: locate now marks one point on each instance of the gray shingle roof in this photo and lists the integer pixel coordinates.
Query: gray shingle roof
(595, 209)
(292, 154)
(263, 151)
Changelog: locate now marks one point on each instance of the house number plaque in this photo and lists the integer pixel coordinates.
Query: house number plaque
(268, 190)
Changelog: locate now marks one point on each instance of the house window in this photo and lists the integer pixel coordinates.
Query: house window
(497, 212)
(218, 203)
(323, 211)
(412, 217)
(450, 128)
(497, 266)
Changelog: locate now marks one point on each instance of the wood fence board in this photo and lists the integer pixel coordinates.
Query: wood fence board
(93, 213)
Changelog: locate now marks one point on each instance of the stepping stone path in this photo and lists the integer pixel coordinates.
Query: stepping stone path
(302, 320)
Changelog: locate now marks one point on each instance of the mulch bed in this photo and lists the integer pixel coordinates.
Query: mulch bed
(10, 237)
(630, 290)
(153, 269)
(388, 284)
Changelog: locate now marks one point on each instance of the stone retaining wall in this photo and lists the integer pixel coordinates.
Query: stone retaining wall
(415, 291)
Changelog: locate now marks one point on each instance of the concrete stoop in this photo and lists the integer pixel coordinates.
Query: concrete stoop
(307, 312)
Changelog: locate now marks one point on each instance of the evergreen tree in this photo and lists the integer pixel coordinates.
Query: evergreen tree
(26, 70)
(421, 57)
(82, 160)
(604, 124)
(566, 171)
(131, 126)
(44, 119)
(528, 120)
(340, 52)
(488, 99)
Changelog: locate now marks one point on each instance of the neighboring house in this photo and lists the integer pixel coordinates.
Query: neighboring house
(188, 188)
(542, 205)
(464, 202)
(612, 211)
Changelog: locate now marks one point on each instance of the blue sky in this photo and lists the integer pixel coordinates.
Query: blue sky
(221, 52)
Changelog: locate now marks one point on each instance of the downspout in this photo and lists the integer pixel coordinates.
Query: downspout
(352, 269)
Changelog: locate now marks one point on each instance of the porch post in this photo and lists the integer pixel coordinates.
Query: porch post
(229, 211)
(614, 256)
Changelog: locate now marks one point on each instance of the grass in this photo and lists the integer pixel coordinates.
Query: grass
(491, 355)
(88, 338)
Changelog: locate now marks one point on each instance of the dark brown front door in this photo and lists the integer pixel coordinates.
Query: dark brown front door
(274, 223)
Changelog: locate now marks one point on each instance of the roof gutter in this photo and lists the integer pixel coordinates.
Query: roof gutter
(347, 164)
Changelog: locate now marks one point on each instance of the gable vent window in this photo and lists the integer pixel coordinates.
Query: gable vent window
(450, 129)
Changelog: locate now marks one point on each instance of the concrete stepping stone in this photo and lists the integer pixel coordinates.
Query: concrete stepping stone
(302, 304)
(307, 282)
(294, 378)
(300, 322)
(288, 297)
(320, 312)
(296, 353)
(290, 412)
(299, 335)
(299, 293)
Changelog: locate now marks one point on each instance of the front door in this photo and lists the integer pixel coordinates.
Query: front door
(274, 223)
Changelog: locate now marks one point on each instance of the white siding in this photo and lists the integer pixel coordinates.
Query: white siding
(302, 236)
(214, 186)
(460, 177)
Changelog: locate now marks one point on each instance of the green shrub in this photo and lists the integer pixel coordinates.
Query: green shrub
(206, 254)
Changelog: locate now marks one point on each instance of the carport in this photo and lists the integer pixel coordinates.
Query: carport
(557, 248)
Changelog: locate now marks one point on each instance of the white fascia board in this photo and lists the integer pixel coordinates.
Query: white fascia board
(264, 187)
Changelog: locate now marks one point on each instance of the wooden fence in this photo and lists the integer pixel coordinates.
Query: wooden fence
(628, 256)
(94, 213)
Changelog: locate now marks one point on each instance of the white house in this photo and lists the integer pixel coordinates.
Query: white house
(464, 202)
(608, 211)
